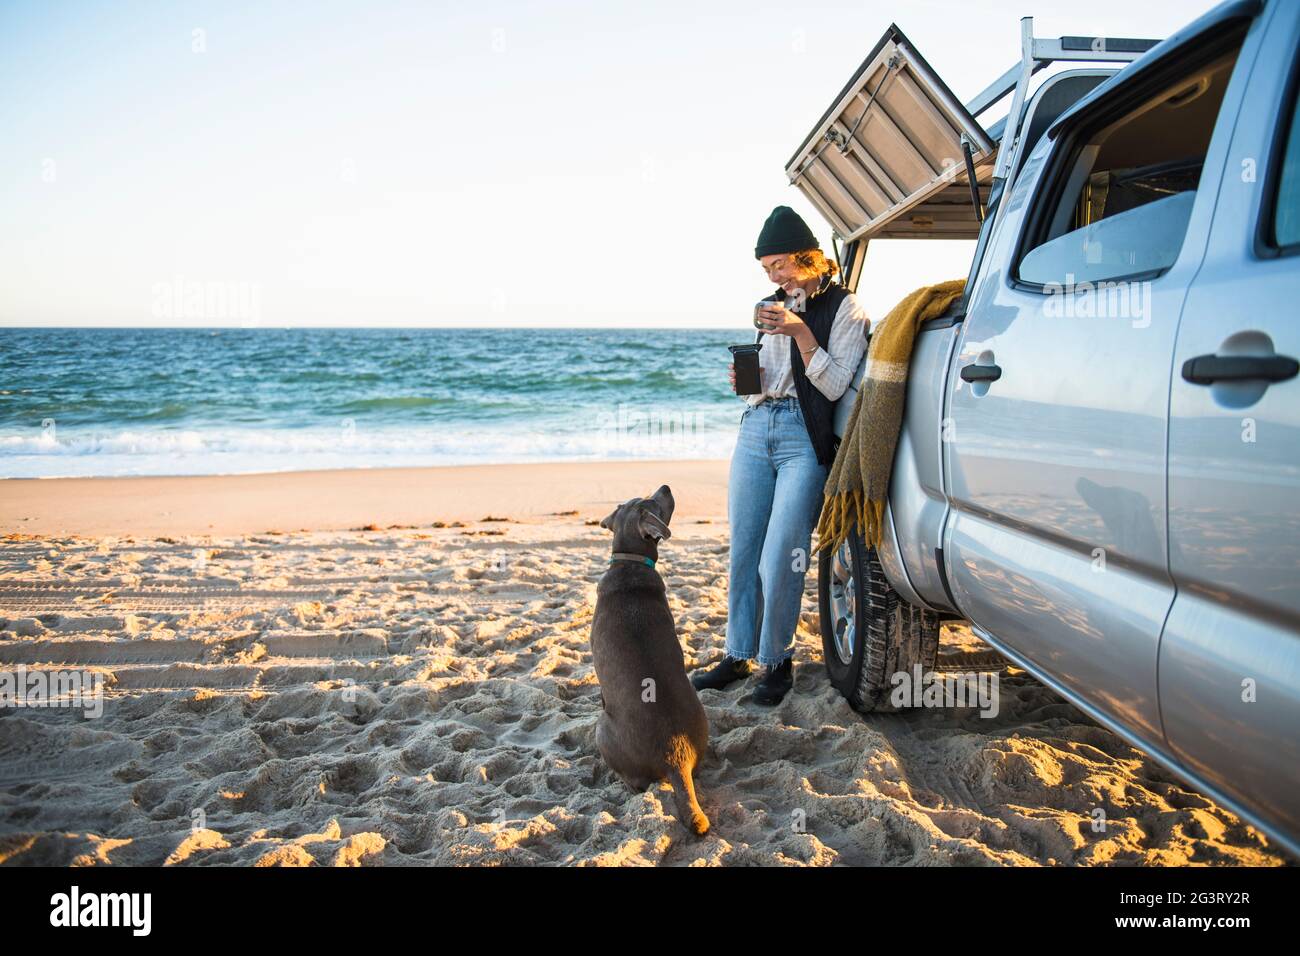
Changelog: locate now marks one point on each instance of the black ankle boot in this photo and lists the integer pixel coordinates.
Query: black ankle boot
(722, 674)
(776, 683)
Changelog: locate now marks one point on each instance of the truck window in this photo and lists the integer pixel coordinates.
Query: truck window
(1127, 187)
(1286, 205)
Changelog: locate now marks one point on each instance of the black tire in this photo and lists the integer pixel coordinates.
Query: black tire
(897, 635)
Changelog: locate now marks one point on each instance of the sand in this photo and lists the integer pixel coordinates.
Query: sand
(425, 695)
(341, 500)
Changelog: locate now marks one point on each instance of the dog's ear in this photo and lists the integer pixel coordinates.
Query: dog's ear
(650, 525)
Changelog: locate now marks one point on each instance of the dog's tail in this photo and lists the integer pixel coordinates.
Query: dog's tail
(681, 768)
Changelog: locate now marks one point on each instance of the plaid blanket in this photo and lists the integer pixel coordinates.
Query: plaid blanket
(858, 484)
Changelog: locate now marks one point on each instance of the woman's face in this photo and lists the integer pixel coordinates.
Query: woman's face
(781, 270)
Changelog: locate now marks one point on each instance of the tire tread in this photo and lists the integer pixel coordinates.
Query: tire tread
(895, 636)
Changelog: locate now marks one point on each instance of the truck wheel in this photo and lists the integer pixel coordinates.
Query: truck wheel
(869, 633)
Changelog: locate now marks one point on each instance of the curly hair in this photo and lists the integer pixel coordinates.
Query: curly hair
(813, 264)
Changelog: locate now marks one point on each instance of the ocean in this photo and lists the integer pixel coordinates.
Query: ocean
(93, 402)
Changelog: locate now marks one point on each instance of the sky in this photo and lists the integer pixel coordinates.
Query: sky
(376, 163)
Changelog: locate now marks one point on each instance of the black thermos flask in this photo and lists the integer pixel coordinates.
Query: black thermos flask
(746, 359)
(748, 380)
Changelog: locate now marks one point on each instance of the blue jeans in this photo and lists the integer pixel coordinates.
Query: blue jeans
(774, 497)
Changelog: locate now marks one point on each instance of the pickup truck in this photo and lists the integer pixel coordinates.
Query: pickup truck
(1099, 466)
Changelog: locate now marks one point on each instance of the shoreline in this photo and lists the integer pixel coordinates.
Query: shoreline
(351, 499)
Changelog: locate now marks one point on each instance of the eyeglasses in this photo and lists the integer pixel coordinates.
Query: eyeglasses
(771, 266)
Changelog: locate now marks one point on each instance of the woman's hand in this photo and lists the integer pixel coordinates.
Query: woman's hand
(778, 320)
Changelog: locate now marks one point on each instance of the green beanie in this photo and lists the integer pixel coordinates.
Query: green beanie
(784, 231)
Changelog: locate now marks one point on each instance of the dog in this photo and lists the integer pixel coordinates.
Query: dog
(652, 726)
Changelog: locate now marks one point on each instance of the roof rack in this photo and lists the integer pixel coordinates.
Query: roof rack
(1035, 54)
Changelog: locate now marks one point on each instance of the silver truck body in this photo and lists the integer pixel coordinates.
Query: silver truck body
(1127, 533)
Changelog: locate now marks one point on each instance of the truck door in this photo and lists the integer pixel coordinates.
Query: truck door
(1230, 654)
(1055, 435)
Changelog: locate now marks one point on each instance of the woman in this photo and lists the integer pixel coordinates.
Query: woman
(784, 452)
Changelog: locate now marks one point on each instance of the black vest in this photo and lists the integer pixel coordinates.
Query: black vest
(818, 410)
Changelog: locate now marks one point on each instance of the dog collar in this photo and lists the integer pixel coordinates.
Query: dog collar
(628, 556)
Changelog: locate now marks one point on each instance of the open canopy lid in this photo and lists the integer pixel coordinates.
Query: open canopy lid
(887, 159)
